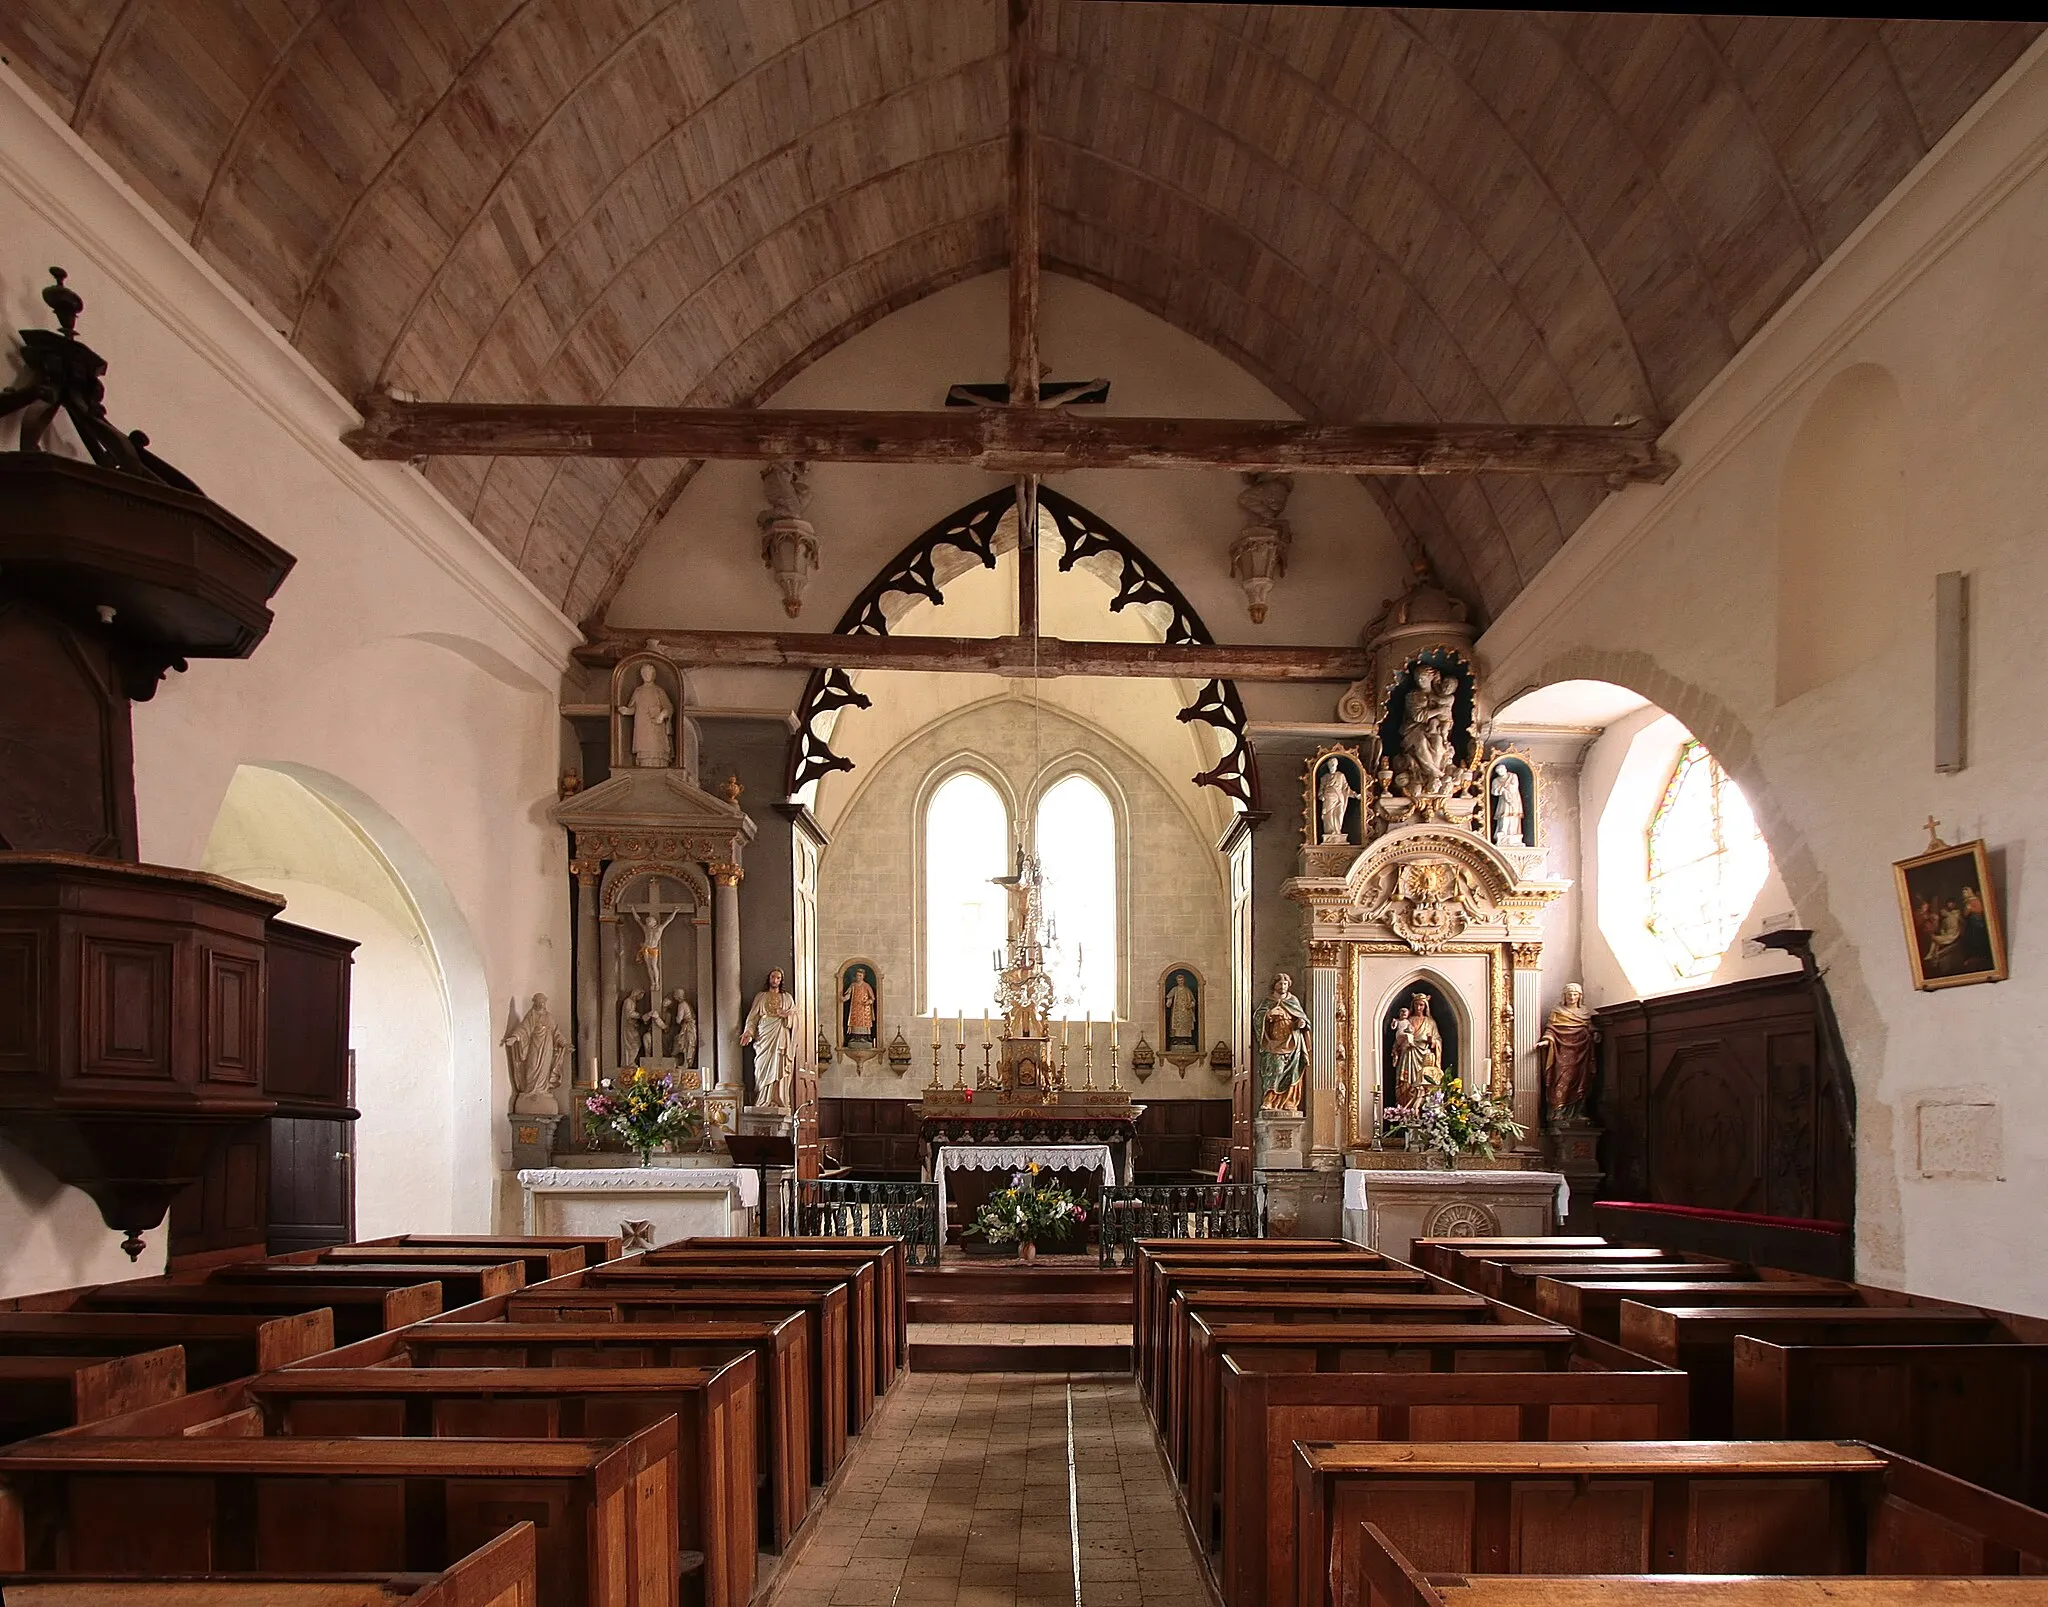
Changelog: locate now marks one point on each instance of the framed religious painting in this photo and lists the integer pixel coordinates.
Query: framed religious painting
(1954, 934)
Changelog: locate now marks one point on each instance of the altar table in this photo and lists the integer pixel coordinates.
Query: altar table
(644, 1205)
(1016, 1157)
(1389, 1209)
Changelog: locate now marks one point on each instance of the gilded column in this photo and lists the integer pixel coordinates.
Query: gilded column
(1325, 1138)
(589, 1012)
(1528, 1027)
(725, 937)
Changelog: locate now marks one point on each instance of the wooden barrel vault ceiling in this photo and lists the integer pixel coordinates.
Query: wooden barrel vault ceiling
(1383, 214)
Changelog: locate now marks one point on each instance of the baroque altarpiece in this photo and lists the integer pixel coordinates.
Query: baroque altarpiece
(1421, 886)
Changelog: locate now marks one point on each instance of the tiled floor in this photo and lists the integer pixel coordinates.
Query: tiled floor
(1020, 1333)
(957, 1497)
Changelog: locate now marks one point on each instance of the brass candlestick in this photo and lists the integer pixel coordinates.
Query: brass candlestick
(935, 1082)
(959, 1065)
(1115, 1081)
(1088, 1066)
(987, 1053)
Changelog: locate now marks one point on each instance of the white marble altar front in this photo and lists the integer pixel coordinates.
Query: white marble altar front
(1016, 1157)
(643, 1205)
(1389, 1210)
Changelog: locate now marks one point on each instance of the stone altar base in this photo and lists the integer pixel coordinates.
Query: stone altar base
(1572, 1146)
(533, 1139)
(1389, 1210)
(1278, 1139)
(643, 1205)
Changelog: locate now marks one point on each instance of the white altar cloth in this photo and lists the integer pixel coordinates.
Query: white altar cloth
(647, 1204)
(1388, 1209)
(1015, 1157)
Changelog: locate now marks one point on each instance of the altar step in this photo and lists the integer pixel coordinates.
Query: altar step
(1006, 1317)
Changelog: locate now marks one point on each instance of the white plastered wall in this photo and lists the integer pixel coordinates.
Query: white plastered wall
(409, 666)
(1673, 591)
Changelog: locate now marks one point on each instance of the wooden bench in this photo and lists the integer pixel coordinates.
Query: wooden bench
(1977, 1411)
(603, 1509)
(1432, 1255)
(884, 1256)
(782, 1373)
(217, 1348)
(1154, 1340)
(1345, 1348)
(855, 1289)
(1689, 1507)
(596, 1247)
(1592, 1304)
(1149, 1255)
(1701, 1340)
(1518, 1279)
(358, 1312)
(822, 1309)
(713, 1408)
(1309, 1306)
(539, 1261)
(1247, 1504)
(461, 1285)
(1481, 1271)
(42, 1393)
(499, 1573)
(1388, 1579)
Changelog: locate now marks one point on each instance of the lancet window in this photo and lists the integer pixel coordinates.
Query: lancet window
(1707, 862)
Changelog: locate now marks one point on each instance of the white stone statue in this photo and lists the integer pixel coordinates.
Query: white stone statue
(653, 714)
(1507, 808)
(683, 1045)
(632, 1029)
(1427, 753)
(535, 1053)
(771, 1029)
(1334, 793)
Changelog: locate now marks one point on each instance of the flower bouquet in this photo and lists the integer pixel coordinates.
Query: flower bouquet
(1445, 1118)
(1032, 1210)
(643, 1110)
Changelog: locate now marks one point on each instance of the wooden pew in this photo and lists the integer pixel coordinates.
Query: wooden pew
(1148, 1255)
(859, 1343)
(540, 1261)
(499, 1573)
(1592, 1304)
(359, 1312)
(171, 1506)
(1247, 1503)
(822, 1307)
(461, 1285)
(892, 1322)
(1388, 1579)
(1518, 1279)
(1481, 1272)
(42, 1393)
(217, 1348)
(1977, 1411)
(1701, 1340)
(596, 1247)
(1154, 1340)
(1690, 1507)
(782, 1371)
(1432, 1255)
(1280, 1308)
(713, 1409)
(1349, 1348)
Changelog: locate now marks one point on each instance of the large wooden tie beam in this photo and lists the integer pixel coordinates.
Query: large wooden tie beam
(1003, 440)
(1022, 656)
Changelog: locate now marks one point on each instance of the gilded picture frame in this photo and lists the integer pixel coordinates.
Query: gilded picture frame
(1955, 931)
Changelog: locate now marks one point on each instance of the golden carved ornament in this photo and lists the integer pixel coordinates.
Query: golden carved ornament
(726, 873)
(1528, 956)
(1330, 954)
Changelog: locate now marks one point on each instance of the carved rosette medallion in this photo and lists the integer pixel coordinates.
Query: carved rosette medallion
(1461, 1219)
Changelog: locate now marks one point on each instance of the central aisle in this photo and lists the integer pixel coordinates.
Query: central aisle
(959, 1495)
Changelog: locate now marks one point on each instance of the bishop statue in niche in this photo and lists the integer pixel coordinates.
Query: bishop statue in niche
(859, 1006)
(653, 715)
(1181, 1009)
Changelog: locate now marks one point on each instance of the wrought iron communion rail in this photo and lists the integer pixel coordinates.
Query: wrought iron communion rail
(846, 1208)
(1134, 1211)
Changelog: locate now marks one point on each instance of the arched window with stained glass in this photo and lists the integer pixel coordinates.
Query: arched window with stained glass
(966, 848)
(1707, 863)
(1075, 839)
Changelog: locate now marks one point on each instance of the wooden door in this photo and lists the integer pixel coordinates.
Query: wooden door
(808, 1159)
(312, 1182)
(1241, 1113)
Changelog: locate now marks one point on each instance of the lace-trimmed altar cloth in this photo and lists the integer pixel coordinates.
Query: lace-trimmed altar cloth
(1015, 1157)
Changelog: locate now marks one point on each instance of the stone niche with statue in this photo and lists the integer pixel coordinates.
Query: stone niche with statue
(657, 867)
(1421, 888)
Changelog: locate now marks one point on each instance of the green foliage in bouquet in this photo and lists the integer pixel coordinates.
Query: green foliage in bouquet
(643, 1111)
(1446, 1118)
(1032, 1210)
